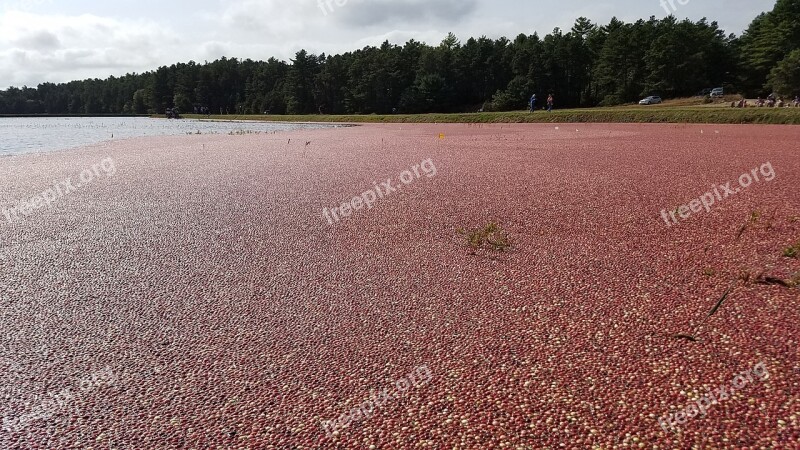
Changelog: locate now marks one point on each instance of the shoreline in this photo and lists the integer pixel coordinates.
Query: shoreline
(619, 115)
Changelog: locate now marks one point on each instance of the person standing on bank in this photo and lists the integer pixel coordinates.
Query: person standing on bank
(533, 103)
(550, 103)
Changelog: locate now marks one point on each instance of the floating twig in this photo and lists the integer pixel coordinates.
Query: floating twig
(721, 300)
(686, 337)
(774, 281)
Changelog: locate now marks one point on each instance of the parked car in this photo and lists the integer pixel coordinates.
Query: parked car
(652, 100)
(717, 92)
(705, 92)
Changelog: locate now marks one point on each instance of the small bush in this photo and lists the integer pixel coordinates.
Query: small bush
(491, 237)
(793, 251)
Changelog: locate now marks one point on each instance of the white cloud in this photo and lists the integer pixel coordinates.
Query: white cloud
(46, 40)
(68, 47)
(38, 40)
(266, 18)
(372, 13)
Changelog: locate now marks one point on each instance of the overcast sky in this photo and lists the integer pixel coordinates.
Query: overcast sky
(63, 40)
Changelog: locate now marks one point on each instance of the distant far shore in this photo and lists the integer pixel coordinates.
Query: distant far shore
(632, 114)
(669, 112)
(696, 110)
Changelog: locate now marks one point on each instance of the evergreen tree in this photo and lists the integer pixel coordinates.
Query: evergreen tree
(589, 65)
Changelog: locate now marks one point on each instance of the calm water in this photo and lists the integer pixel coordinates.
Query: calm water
(27, 135)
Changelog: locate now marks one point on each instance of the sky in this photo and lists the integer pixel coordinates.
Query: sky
(63, 40)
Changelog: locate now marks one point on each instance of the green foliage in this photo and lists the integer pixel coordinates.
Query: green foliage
(589, 65)
(516, 96)
(792, 251)
(621, 114)
(685, 55)
(768, 40)
(299, 87)
(182, 102)
(490, 237)
(140, 102)
(785, 78)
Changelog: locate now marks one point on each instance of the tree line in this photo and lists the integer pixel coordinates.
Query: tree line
(590, 65)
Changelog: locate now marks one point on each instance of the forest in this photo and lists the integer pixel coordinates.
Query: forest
(590, 65)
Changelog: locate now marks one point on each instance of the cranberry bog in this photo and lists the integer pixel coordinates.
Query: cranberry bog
(514, 286)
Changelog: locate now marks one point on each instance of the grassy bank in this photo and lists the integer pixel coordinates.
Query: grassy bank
(630, 114)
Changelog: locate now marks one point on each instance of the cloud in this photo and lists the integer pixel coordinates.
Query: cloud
(213, 50)
(371, 13)
(65, 47)
(267, 17)
(39, 40)
(400, 37)
(25, 5)
(47, 40)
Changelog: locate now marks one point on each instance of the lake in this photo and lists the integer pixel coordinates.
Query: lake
(20, 135)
